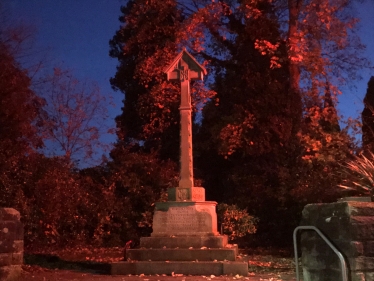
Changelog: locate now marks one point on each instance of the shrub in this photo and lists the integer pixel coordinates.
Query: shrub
(235, 222)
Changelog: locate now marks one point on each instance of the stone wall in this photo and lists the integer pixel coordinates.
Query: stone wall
(350, 227)
(11, 245)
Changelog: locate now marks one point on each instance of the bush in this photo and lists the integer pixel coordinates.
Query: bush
(235, 222)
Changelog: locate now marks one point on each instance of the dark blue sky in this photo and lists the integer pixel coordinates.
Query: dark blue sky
(75, 33)
(351, 100)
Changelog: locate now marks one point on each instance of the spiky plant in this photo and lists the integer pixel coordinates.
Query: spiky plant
(361, 172)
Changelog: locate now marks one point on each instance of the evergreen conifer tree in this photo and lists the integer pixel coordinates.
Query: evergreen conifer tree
(368, 118)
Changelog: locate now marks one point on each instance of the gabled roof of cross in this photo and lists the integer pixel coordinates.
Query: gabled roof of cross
(193, 65)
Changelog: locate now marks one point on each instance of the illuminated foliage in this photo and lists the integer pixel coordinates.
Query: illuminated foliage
(269, 123)
(234, 222)
(274, 116)
(146, 42)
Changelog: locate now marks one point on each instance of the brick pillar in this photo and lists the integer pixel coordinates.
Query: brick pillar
(11, 244)
(350, 227)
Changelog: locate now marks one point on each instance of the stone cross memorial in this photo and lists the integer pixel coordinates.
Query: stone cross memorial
(184, 238)
(186, 211)
(185, 68)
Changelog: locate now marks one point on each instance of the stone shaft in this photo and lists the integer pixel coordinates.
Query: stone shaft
(186, 166)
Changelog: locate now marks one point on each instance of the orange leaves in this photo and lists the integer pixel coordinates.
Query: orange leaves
(321, 136)
(266, 47)
(194, 29)
(322, 40)
(158, 108)
(233, 135)
(200, 95)
(252, 9)
(235, 222)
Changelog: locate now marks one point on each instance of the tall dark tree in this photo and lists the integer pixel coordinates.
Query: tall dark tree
(275, 145)
(368, 118)
(143, 46)
(330, 119)
(269, 140)
(249, 129)
(19, 110)
(151, 36)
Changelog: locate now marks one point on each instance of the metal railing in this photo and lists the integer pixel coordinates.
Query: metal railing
(340, 256)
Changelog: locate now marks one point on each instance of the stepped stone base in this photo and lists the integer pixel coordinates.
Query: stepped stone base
(184, 241)
(188, 255)
(182, 254)
(218, 241)
(180, 267)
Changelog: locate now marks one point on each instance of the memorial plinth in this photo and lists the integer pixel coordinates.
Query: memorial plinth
(185, 239)
(184, 218)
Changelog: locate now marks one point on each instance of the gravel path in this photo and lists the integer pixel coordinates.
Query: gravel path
(69, 275)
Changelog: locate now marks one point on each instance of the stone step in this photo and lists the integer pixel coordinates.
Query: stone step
(179, 267)
(218, 241)
(182, 254)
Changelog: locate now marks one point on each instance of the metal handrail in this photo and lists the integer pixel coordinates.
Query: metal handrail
(340, 256)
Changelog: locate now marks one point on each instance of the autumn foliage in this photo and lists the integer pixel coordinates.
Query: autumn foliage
(267, 136)
(268, 122)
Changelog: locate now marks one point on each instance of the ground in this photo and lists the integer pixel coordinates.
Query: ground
(87, 263)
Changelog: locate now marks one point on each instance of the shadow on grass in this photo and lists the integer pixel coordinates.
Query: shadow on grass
(54, 262)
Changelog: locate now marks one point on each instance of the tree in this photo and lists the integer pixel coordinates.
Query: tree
(278, 154)
(252, 115)
(272, 130)
(316, 43)
(144, 45)
(150, 104)
(322, 44)
(368, 118)
(75, 117)
(19, 112)
(138, 180)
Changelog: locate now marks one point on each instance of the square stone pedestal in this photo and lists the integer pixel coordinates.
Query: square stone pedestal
(185, 219)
